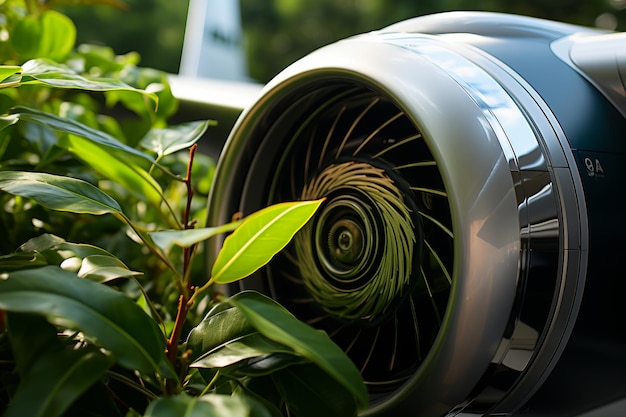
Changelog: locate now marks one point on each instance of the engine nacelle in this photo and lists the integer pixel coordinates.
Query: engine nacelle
(467, 255)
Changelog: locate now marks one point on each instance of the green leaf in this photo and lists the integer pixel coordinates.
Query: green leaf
(221, 325)
(42, 243)
(101, 268)
(10, 75)
(87, 261)
(250, 346)
(277, 324)
(104, 141)
(56, 249)
(152, 80)
(103, 315)
(225, 337)
(8, 120)
(52, 376)
(310, 392)
(7, 71)
(17, 261)
(252, 355)
(58, 192)
(212, 405)
(174, 138)
(166, 239)
(50, 34)
(117, 168)
(260, 236)
(45, 72)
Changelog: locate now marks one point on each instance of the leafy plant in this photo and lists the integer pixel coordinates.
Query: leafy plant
(126, 322)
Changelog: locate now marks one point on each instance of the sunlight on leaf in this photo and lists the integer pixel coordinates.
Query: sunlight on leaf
(46, 72)
(221, 324)
(276, 323)
(253, 345)
(166, 239)
(117, 168)
(8, 120)
(7, 71)
(174, 138)
(102, 139)
(58, 192)
(10, 75)
(102, 268)
(261, 235)
(213, 405)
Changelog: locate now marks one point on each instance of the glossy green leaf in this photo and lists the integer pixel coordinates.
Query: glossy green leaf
(260, 236)
(222, 324)
(104, 141)
(225, 337)
(250, 346)
(58, 192)
(174, 138)
(122, 171)
(87, 261)
(50, 73)
(277, 324)
(56, 249)
(7, 71)
(52, 376)
(17, 261)
(8, 120)
(152, 80)
(50, 34)
(213, 405)
(42, 243)
(252, 355)
(10, 75)
(311, 392)
(166, 239)
(102, 268)
(105, 316)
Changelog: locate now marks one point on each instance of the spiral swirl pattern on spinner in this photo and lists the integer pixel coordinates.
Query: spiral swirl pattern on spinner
(357, 257)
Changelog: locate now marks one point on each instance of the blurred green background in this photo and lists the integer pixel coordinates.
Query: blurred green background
(277, 32)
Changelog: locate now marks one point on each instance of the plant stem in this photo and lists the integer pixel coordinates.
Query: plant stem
(172, 343)
(184, 303)
(188, 252)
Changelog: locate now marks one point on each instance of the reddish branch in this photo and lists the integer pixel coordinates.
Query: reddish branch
(183, 300)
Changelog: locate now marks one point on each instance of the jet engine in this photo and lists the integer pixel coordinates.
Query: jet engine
(467, 256)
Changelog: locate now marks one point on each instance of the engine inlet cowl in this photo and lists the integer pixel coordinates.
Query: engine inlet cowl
(449, 257)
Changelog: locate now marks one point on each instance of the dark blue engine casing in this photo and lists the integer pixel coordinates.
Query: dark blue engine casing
(499, 141)
(592, 368)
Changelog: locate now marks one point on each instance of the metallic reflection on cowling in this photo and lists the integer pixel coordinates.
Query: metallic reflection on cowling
(450, 257)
